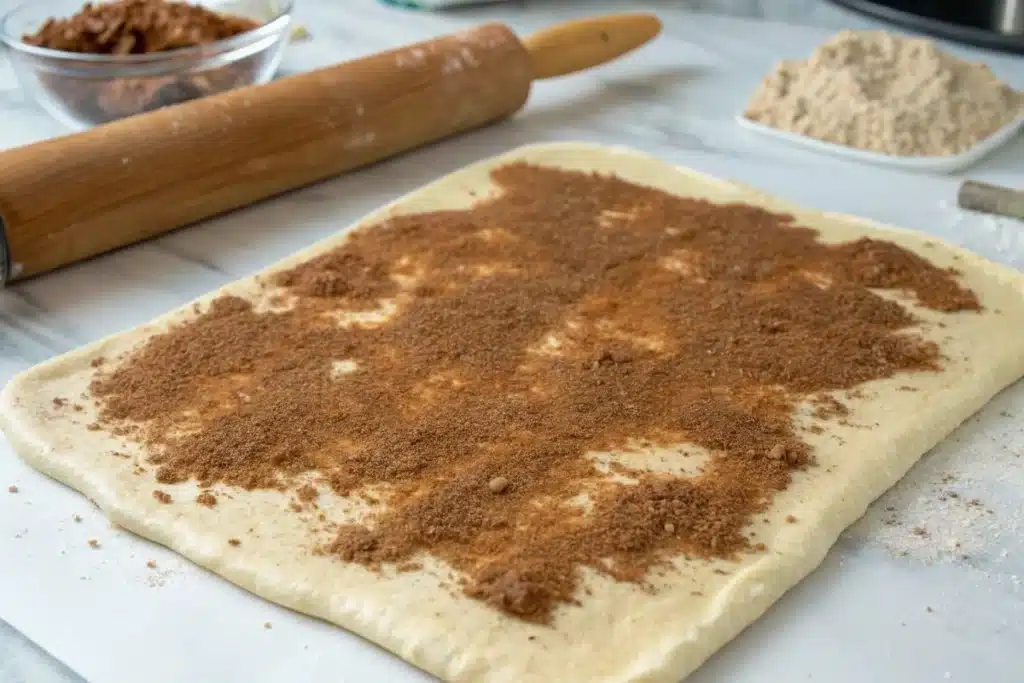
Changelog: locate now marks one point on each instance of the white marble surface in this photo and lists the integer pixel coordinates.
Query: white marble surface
(676, 99)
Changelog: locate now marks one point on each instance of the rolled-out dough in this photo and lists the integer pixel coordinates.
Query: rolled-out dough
(620, 633)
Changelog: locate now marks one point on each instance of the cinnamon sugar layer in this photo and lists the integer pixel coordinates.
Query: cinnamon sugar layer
(571, 314)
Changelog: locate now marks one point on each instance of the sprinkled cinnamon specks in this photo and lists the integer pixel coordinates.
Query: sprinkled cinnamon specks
(162, 496)
(207, 499)
(571, 314)
(307, 493)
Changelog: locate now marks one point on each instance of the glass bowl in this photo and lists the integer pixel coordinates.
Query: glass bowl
(84, 90)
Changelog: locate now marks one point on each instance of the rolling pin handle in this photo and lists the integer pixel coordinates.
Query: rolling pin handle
(573, 46)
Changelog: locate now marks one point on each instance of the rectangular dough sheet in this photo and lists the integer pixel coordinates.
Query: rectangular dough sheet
(620, 633)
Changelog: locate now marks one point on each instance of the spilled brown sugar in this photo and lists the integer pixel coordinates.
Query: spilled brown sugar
(567, 315)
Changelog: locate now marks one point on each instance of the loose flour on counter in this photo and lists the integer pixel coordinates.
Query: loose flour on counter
(885, 93)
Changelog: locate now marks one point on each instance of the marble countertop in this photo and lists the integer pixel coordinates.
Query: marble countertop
(677, 99)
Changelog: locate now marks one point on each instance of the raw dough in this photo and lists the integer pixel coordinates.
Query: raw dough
(621, 633)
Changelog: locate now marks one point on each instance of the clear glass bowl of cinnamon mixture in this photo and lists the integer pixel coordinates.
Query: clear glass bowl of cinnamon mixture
(92, 64)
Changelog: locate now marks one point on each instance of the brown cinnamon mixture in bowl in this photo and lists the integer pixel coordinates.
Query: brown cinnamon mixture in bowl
(111, 60)
(127, 27)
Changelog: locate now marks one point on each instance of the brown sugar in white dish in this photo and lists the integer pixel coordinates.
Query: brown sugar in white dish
(879, 92)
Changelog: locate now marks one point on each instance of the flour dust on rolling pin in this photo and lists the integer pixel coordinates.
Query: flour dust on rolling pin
(449, 63)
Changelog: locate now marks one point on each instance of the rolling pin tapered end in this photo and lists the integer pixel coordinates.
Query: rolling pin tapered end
(585, 43)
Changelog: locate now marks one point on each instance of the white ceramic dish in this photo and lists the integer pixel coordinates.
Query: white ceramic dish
(932, 164)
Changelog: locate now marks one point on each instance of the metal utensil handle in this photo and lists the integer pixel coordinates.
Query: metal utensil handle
(999, 201)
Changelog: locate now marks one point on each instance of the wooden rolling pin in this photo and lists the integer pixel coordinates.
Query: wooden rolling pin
(70, 198)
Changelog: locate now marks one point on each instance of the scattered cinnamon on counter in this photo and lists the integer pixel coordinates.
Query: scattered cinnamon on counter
(162, 496)
(151, 564)
(12, 489)
(93, 543)
(234, 542)
(457, 384)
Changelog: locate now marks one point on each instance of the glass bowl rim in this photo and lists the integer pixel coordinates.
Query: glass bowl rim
(274, 26)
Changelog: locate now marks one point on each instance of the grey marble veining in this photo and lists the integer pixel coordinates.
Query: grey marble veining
(21, 661)
(645, 103)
